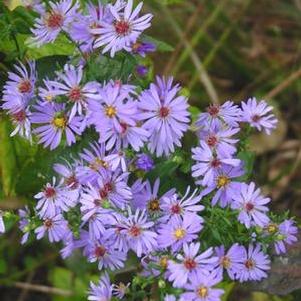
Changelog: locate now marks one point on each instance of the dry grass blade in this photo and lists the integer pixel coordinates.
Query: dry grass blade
(203, 75)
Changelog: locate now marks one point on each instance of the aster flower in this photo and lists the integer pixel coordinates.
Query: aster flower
(76, 92)
(144, 162)
(68, 173)
(103, 252)
(220, 139)
(49, 92)
(232, 261)
(201, 288)
(24, 215)
(227, 113)
(21, 121)
(255, 264)
(54, 199)
(154, 265)
(142, 70)
(19, 88)
(141, 238)
(52, 22)
(123, 31)
(251, 205)
(225, 184)
(117, 160)
(190, 263)
(174, 206)
(165, 114)
(102, 291)
(258, 115)
(148, 197)
(81, 30)
(56, 122)
(2, 226)
(142, 48)
(112, 111)
(286, 234)
(113, 187)
(177, 231)
(119, 290)
(96, 164)
(129, 135)
(208, 163)
(56, 227)
(35, 5)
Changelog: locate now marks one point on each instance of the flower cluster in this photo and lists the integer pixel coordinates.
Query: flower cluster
(103, 201)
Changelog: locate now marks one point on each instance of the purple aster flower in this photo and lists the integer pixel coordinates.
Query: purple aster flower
(144, 162)
(251, 205)
(2, 226)
(76, 92)
(148, 197)
(286, 234)
(201, 288)
(177, 232)
(103, 252)
(56, 122)
(174, 206)
(21, 121)
(49, 92)
(102, 291)
(81, 30)
(165, 114)
(220, 139)
(56, 227)
(19, 88)
(68, 173)
(255, 265)
(208, 163)
(52, 22)
(117, 160)
(24, 215)
(142, 48)
(225, 184)
(123, 31)
(228, 113)
(96, 164)
(142, 70)
(190, 263)
(114, 110)
(54, 199)
(129, 135)
(232, 261)
(154, 265)
(258, 115)
(140, 238)
(120, 290)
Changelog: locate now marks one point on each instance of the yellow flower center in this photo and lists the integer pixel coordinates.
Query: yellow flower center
(272, 228)
(60, 122)
(226, 262)
(98, 162)
(49, 97)
(179, 233)
(163, 262)
(154, 205)
(222, 181)
(110, 111)
(203, 292)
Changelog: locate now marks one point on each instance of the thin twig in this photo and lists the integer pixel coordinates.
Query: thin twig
(283, 85)
(176, 52)
(43, 289)
(204, 77)
(25, 291)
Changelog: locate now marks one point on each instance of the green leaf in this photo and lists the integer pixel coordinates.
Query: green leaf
(8, 160)
(61, 46)
(161, 46)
